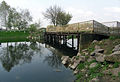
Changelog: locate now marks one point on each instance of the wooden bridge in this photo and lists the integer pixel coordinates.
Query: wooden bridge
(83, 32)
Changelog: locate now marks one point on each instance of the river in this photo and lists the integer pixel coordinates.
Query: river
(33, 62)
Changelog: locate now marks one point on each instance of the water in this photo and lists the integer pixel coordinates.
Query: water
(32, 62)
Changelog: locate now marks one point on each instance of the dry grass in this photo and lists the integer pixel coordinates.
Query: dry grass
(76, 27)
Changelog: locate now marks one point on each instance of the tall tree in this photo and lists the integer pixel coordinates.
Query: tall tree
(19, 20)
(26, 18)
(10, 17)
(57, 16)
(4, 10)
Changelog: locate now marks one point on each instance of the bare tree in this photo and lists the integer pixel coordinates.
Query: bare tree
(52, 13)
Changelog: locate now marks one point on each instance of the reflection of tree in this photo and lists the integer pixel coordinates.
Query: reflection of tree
(53, 61)
(16, 54)
(33, 45)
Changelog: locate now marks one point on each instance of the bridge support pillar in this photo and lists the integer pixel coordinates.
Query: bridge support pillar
(72, 41)
(78, 41)
(64, 39)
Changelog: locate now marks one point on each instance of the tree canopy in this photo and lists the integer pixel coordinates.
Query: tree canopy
(57, 16)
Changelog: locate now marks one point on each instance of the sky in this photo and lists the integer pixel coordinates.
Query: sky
(81, 10)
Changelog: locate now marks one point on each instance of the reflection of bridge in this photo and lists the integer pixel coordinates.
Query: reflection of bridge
(58, 38)
(84, 32)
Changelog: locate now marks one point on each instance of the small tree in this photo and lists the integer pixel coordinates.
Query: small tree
(32, 28)
(57, 16)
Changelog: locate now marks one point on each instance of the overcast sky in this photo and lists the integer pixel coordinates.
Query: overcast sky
(81, 10)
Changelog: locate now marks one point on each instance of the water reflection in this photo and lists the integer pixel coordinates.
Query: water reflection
(15, 54)
(62, 49)
(53, 60)
(32, 60)
(20, 53)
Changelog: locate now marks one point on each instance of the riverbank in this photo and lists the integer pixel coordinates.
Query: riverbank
(13, 36)
(100, 62)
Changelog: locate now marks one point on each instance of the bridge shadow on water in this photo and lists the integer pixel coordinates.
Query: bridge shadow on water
(64, 49)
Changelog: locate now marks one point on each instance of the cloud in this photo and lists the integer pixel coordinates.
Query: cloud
(80, 14)
(113, 9)
(112, 13)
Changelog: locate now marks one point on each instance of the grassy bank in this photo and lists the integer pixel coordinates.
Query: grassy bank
(107, 45)
(14, 36)
(99, 71)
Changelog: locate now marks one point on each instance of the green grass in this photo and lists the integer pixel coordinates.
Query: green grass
(116, 65)
(11, 36)
(81, 66)
(114, 37)
(119, 74)
(106, 44)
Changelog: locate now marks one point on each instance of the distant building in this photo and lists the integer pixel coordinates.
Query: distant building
(112, 24)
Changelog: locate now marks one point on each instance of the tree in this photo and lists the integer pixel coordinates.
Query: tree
(22, 19)
(63, 18)
(10, 17)
(32, 28)
(38, 24)
(25, 15)
(57, 16)
(4, 10)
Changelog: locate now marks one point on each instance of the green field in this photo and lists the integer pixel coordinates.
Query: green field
(13, 36)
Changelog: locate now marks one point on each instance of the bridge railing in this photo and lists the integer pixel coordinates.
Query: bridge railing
(87, 26)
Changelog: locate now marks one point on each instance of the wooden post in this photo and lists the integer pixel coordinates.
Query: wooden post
(60, 39)
(54, 39)
(78, 41)
(65, 40)
(49, 38)
(72, 41)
